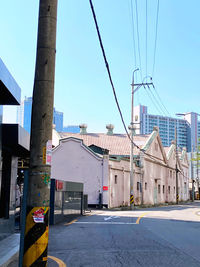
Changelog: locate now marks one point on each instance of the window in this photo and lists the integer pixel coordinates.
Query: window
(169, 189)
(138, 186)
(136, 118)
(115, 179)
(174, 190)
(159, 189)
(145, 186)
(170, 173)
(163, 189)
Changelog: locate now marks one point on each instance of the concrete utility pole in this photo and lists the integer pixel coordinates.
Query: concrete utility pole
(132, 134)
(37, 212)
(192, 175)
(177, 194)
(197, 179)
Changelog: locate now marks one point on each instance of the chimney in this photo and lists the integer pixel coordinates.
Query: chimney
(83, 128)
(110, 128)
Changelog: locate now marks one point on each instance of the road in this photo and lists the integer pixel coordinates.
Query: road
(164, 236)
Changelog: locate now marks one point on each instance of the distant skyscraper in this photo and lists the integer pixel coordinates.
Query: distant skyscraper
(188, 128)
(24, 113)
(58, 120)
(24, 116)
(71, 129)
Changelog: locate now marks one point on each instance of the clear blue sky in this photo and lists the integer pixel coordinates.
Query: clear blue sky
(82, 88)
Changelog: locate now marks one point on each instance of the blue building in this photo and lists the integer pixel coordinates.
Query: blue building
(24, 116)
(71, 129)
(58, 120)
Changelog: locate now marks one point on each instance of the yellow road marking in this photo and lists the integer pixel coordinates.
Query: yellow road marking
(139, 218)
(70, 222)
(60, 263)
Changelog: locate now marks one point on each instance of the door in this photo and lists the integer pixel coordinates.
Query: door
(155, 193)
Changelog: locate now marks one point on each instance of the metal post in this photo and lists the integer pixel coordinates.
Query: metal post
(23, 218)
(37, 212)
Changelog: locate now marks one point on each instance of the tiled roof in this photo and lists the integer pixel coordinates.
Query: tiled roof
(117, 144)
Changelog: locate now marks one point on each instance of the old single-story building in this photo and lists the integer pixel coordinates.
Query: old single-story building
(102, 163)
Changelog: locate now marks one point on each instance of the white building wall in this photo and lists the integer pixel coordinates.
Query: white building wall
(71, 161)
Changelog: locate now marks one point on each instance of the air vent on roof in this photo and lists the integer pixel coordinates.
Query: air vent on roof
(83, 128)
(110, 128)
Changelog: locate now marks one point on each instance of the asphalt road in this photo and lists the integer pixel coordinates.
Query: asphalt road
(167, 236)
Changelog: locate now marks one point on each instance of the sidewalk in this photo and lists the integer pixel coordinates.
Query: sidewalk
(9, 250)
(9, 246)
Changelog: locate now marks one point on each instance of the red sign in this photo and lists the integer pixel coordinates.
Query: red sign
(105, 188)
(38, 216)
(59, 185)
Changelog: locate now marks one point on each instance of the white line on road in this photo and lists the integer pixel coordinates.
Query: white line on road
(111, 217)
(103, 223)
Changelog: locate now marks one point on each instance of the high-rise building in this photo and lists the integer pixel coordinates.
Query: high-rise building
(24, 116)
(71, 129)
(188, 128)
(58, 120)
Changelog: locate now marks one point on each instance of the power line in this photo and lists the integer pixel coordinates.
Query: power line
(161, 101)
(107, 66)
(138, 37)
(133, 33)
(156, 36)
(146, 35)
(112, 85)
(154, 101)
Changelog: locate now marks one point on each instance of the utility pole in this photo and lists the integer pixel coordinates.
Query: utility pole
(132, 134)
(198, 170)
(177, 194)
(192, 175)
(37, 211)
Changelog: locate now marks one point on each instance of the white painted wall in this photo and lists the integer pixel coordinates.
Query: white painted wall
(72, 161)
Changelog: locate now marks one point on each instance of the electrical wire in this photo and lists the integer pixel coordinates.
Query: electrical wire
(156, 36)
(138, 37)
(161, 101)
(155, 101)
(112, 85)
(146, 35)
(133, 33)
(107, 66)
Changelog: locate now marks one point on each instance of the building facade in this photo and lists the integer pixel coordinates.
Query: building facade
(154, 167)
(188, 128)
(24, 116)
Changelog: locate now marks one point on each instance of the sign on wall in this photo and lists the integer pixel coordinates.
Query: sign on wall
(105, 188)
